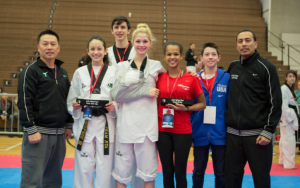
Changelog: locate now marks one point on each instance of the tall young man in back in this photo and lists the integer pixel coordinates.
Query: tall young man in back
(42, 94)
(121, 51)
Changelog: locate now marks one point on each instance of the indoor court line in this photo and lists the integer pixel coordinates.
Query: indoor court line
(11, 147)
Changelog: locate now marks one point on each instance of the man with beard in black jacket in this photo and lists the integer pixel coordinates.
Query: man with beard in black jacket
(254, 110)
(42, 94)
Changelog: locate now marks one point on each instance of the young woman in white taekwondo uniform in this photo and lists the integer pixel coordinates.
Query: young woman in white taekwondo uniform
(121, 51)
(288, 123)
(93, 81)
(137, 129)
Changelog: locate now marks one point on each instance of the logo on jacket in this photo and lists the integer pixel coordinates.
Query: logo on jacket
(119, 153)
(65, 75)
(220, 95)
(184, 87)
(222, 88)
(45, 74)
(83, 155)
(234, 76)
(83, 86)
(110, 85)
(254, 74)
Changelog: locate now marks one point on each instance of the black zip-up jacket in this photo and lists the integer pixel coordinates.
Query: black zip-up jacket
(189, 57)
(255, 97)
(42, 100)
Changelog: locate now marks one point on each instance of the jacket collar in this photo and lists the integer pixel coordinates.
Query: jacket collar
(41, 63)
(126, 55)
(249, 60)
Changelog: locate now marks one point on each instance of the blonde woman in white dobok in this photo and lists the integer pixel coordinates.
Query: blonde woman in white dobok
(121, 51)
(288, 123)
(137, 129)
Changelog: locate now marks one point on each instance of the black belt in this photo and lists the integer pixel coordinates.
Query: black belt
(296, 111)
(96, 112)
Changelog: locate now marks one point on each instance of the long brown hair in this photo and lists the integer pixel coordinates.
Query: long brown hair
(295, 74)
(87, 58)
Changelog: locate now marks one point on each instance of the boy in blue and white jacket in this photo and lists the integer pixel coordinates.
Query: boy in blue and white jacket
(209, 129)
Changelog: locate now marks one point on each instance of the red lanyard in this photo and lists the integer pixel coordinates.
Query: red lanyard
(55, 71)
(121, 60)
(4, 107)
(210, 88)
(93, 85)
(168, 84)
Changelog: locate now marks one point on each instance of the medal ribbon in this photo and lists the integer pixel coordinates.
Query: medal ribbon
(121, 60)
(55, 71)
(92, 72)
(210, 87)
(168, 84)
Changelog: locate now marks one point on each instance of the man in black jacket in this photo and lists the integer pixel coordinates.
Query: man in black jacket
(190, 58)
(254, 110)
(42, 93)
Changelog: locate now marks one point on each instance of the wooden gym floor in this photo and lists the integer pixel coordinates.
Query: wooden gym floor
(12, 146)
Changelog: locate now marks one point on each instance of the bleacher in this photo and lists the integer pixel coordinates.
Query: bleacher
(75, 21)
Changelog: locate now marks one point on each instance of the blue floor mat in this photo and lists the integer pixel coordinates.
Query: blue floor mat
(11, 177)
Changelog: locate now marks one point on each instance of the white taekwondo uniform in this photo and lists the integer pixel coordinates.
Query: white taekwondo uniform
(135, 182)
(92, 153)
(137, 124)
(288, 126)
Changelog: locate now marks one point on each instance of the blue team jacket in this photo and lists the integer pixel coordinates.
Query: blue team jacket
(203, 134)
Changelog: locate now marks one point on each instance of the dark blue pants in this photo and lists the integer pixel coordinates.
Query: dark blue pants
(200, 164)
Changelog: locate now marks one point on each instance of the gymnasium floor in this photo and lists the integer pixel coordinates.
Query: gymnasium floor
(10, 168)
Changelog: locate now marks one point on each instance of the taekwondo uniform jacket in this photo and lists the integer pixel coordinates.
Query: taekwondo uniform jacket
(80, 88)
(138, 118)
(112, 57)
(288, 117)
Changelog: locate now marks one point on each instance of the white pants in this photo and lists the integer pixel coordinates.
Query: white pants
(146, 159)
(287, 146)
(92, 156)
(135, 181)
(191, 68)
